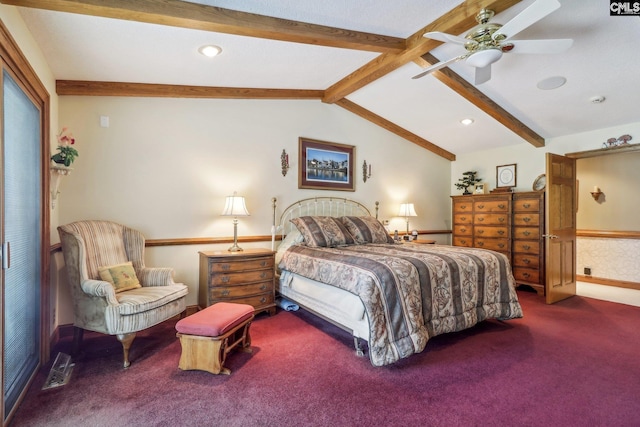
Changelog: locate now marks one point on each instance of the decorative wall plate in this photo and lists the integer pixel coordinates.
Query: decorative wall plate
(540, 183)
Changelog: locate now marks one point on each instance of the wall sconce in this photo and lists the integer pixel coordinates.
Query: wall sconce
(366, 171)
(57, 172)
(596, 193)
(235, 207)
(284, 161)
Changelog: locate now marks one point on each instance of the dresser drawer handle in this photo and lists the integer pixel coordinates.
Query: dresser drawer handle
(526, 232)
(463, 218)
(501, 232)
(225, 279)
(480, 231)
(463, 206)
(526, 219)
(501, 219)
(526, 260)
(263, 287)
(526, 275)
(463, 229)
(480, 243)
(501, 206)
(480, 219)
(226, 292)
(464, 242)
(526, 205)
(263, 299)
(501, 245)
(263, 263)
(480, 206)
(526, 247)
(225, 266)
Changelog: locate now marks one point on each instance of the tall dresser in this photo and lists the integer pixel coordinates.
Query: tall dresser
(510, 223)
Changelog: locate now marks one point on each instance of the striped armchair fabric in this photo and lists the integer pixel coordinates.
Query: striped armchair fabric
(89, 245)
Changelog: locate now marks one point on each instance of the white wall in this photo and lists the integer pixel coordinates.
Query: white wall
(164, 166)
(531, 163)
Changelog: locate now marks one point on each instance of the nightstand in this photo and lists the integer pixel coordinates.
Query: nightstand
(245, 277)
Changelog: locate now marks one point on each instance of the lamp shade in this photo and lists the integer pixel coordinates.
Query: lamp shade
(407, 209)
(235, 206)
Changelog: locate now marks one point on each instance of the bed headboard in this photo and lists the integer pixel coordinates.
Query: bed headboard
(317, 206)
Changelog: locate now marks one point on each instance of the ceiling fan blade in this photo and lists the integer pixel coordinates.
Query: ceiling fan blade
(541, 46)
(439, 65)
(535, 12)
(447, 38)
(482, 75)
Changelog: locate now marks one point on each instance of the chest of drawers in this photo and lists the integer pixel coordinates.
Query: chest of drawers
(245, 277)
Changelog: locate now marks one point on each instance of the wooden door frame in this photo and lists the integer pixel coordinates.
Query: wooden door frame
(14, 61)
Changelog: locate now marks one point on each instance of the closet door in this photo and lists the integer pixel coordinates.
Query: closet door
(21, 216)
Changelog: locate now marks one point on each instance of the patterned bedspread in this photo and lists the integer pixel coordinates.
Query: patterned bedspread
(413, 292)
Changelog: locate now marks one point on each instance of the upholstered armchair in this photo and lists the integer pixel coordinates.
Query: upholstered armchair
(113, 292)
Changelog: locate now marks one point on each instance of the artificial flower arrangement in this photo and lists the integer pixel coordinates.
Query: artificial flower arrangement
(66, 153)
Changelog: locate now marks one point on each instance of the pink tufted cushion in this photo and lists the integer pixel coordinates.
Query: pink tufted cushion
(215, 320)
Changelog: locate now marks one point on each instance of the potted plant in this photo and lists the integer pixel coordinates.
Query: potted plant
(66, 153)
(468, 179)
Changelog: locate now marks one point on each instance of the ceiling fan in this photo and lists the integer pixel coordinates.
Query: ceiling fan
(486, 42)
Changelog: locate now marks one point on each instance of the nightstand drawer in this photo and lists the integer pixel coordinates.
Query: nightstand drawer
(242, 291)
(491, 219)
(230, 279)
(257, 301)
(481, 231)
(241, 265)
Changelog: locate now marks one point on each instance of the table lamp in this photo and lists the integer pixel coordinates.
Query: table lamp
(407, 210)
(235, 207)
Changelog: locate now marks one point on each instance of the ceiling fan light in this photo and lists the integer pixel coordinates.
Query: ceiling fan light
(483, 58)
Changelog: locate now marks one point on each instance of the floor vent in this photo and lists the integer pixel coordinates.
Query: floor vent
(60, 372)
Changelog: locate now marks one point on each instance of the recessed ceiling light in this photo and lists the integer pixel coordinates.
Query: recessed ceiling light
(466, 122)
(597, 99)
(551, 83)
(210, 50)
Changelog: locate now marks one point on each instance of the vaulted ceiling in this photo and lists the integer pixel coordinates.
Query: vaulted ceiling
(357, 54)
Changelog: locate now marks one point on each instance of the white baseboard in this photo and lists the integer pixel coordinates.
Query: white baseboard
(609, 293)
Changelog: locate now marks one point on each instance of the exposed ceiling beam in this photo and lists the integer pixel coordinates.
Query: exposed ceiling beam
(456, 21)
(393, 128)
(482, 101)
(210, 18)
(89, 88)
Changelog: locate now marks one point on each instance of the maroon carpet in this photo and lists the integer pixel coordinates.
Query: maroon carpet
(574, 363)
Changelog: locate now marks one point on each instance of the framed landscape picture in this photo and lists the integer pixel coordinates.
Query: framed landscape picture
(325, 165)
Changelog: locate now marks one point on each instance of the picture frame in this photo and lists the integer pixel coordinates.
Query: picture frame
(506, 176)
(325, 165)
(480, 188)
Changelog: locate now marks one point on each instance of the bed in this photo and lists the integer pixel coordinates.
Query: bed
(337, 261)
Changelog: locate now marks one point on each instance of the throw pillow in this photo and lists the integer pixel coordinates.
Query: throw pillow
(121, 276)
(323, 231)
(366, 229)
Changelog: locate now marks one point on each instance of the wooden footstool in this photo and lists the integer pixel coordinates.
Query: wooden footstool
(208, 335)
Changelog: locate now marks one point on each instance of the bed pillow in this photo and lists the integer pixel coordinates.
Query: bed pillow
(366, 229)
(121, 276)
(323, 231)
